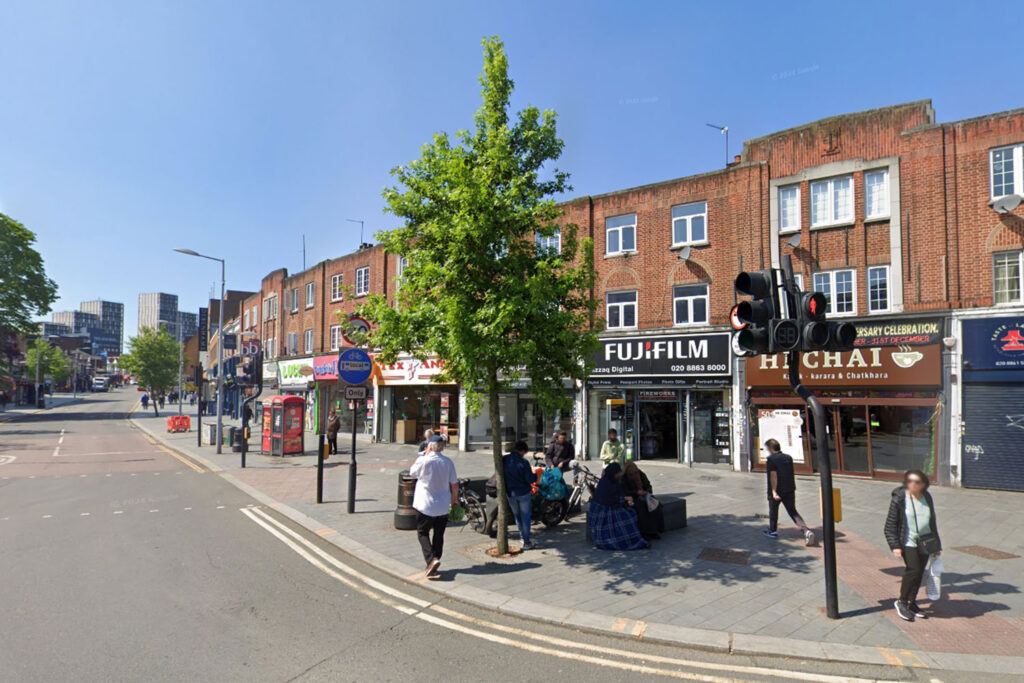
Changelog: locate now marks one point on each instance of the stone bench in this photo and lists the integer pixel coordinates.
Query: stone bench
(674, 512)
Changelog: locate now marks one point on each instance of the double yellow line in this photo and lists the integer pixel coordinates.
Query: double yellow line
(171, 453)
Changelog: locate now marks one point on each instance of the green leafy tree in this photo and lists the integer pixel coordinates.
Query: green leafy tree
(25, 291)
(478, 292)
(153, 358)
(52, 362)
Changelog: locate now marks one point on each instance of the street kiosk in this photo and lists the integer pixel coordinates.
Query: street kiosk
(283, 420)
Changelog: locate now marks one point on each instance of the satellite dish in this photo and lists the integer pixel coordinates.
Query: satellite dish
(684, 254)
(794, 241)
(1006, 204)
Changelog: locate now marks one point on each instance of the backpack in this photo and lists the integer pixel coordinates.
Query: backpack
(552, 485)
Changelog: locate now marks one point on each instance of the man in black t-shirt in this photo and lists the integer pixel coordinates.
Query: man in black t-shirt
(782, 490)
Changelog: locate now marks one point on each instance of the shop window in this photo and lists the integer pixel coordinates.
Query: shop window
(1006, 277)
(620, 310)
(620, 234)
(690, 304)
(789, 209)
(689, 224)
(902, 438)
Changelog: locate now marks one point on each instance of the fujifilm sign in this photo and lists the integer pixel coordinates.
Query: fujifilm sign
(677, 356)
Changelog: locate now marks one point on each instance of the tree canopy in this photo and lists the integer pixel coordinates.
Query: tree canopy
(25, 290)
(53, 363)
(478, 291)
(153, 358)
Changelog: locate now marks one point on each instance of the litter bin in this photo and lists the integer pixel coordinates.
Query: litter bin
(405, 514)
(211, 430)
(236, 443)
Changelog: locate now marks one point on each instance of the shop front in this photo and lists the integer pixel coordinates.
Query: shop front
(330, 392)
(883, 401)
(522, 418)
(667, 396)
(295, 378)
(411, 402)
(993, 403)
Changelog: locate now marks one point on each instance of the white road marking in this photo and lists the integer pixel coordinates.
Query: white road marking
(154, 511)
(220, 507)
(7, 460)
(56, 452)
(188, 508)
(118, 512)
(301, 546)
(47, 516)
(82, 476)
(83, 514)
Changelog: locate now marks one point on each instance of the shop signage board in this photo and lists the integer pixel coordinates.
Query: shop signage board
(409, 370)
(354, 366)
(204, 328)
(871, 366)
(325, 368)
(898, 332)
(676, 359)
(293, 373)
(994, 349)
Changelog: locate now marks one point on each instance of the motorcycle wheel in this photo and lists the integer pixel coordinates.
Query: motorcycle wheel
(552, 512)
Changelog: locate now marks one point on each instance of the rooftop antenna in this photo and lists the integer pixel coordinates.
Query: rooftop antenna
(353, 220)
(724, 130)
(303, 252)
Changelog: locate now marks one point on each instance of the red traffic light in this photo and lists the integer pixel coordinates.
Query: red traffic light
(814, 305)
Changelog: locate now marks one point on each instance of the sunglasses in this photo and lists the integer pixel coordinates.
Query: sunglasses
(914, 481)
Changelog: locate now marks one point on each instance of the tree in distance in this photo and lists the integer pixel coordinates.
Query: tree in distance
(479, 291)
(153, 358)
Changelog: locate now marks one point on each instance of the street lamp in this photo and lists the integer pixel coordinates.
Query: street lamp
(220, 344)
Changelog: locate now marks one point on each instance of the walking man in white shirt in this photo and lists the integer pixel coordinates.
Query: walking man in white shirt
(437, 487)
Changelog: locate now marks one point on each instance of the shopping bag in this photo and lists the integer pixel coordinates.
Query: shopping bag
(933, 577)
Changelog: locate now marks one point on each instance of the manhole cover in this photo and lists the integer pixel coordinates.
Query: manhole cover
(727, 556)
(986, 553)
(709, 477)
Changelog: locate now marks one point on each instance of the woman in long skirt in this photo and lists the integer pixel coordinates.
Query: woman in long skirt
(612, 519)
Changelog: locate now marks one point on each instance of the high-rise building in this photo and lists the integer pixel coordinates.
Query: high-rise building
(189, 323)
(111, 315)
(158, 310)
(76, 321)
(53, 329)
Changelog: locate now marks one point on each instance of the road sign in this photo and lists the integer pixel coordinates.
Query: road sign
(355, 324)
(734, 318)
(355, 393)
(354, 366)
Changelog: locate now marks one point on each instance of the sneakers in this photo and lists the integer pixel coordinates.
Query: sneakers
(529, 545)
(904, 611)
(771, 534)
(809, 538)
(918, 612)
(433, 566)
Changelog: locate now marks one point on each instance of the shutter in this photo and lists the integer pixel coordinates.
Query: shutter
(993, 455)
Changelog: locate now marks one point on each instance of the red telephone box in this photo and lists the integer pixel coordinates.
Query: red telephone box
(283, 420)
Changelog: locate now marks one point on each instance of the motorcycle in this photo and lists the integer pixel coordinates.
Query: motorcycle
(548, 512)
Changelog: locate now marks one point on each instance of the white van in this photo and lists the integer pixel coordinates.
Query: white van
(99, 384)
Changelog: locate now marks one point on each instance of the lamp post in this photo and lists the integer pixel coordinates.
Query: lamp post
(220, 344)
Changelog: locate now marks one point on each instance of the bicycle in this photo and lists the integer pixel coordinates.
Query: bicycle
(476, 514)
(582, 480)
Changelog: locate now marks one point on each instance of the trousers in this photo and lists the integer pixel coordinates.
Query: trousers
(522, 507)
(788, 500)
(425, 525)
(914, 561)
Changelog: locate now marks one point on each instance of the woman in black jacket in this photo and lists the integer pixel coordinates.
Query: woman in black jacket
(913, 535)
(637, 485)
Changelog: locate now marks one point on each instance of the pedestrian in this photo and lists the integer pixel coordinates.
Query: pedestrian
(650, 516)
(613, 450)
(192, 399)
(560, 452)
(160, 398)
(428, 436)
(611, 517)
(437, 488)
(333, 425)
(913, 536)
(145, 401)
(782, 491)
(519, 479)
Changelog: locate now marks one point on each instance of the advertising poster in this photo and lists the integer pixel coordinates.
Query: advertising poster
(785, 426)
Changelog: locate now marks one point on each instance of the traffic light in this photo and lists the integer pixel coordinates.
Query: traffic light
(813, 328)
(841, 336)
(757, 314)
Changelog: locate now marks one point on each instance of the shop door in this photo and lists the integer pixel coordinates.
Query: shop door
(847, 441)
(992, 457)
(531, 424)
(657, 430)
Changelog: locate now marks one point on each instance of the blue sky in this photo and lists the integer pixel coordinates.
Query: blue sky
(233, 128)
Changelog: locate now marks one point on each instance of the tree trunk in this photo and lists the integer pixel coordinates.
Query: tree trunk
(152, 399)
(495, 413)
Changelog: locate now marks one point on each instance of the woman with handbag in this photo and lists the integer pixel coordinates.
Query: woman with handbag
(913, 536)
(650, 517)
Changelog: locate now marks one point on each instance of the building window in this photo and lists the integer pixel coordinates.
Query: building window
(690, 304)
(335, 337)
(798, 278)
(401, 264)
(1005, 176)
(876, 194)
(310, 294)
(245, 325)
(832, 201)
(270, 308)
(620, 234)
(552, 243)
(309, 341)
(363, 281)
(270, 349)
(293, 343)
(789, 208)
(878, 289)
(1006, 277)
(690, 224)
(295, 300)
(839, 289)
(255, 315)
(337, 287)
(620, 310)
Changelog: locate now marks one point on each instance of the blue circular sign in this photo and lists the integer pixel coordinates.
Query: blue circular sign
(354, 366)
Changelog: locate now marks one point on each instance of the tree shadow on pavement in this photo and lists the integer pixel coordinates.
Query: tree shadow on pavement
(676, 555)
(490, 569)
(975, 584)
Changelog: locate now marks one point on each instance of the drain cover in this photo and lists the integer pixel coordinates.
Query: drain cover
(709, 477)
(986, 553)
(727, 556)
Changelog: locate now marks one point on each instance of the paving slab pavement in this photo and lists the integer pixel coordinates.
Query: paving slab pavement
(773, 604)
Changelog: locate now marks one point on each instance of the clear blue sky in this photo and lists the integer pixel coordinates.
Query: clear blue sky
(233, 128)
